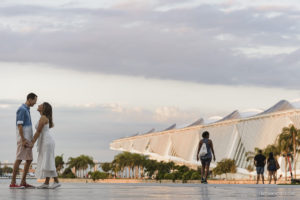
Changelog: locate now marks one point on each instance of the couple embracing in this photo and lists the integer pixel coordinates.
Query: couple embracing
(25, 142)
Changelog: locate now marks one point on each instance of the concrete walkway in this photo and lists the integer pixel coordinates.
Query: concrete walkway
(95, 191)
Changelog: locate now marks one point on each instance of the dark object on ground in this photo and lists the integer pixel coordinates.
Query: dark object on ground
(295, 181)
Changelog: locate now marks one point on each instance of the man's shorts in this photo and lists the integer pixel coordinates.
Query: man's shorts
(260, 170)
(23, 153)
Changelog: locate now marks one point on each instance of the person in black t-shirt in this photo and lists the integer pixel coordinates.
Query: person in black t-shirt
(260, 162)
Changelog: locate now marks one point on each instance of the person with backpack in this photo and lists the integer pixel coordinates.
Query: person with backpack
(272, 166)
(204, 153)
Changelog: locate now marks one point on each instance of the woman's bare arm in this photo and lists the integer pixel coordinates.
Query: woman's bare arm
(212, 149)
(199, 147)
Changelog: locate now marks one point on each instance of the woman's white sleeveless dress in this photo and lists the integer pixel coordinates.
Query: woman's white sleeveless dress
(46, 157)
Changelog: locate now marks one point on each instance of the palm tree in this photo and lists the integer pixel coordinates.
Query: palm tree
(73, 163)
(115, 168)
(59, 163)
(151, 167)
(81, 163)
(106, 167)
(293, 135)
(250, 156)
(142, 164)
(135, 163)
(285, 144)
(271, 148)
(126, 160)
(120, 163)
(85, 162)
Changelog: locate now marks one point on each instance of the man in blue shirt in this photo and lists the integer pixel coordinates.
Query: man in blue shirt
(24, 137)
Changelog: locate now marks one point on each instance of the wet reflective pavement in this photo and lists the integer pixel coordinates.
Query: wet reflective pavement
(91, 191)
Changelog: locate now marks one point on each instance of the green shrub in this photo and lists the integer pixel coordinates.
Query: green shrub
(99, 175)
(187, 175)
(67, 174)
(169, 176)
(225, 166)
(196, 176)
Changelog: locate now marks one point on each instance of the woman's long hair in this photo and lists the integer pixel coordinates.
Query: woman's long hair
(47, 111)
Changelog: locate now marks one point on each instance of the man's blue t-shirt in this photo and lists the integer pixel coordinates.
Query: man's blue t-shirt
(23, 118)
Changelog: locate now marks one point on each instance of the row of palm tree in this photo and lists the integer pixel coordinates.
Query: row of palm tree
(80, 164)
(126, 165)
(286, 145)
(132, 165)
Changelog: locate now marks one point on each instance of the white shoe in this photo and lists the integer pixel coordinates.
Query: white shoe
(55, 185)
(44, 186)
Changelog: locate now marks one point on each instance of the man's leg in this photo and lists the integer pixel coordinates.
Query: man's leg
(257, 179)
(15, 171)
(26, 168)
(263, 178)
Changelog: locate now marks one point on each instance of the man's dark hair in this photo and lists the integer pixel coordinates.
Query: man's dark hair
(31, 96)
(259, 151)
(205, 134)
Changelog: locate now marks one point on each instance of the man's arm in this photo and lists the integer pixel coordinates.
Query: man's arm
(20, 121)
(23, 139)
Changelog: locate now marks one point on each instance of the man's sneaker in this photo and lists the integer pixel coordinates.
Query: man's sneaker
(55, 185)
(15, 186)
(43, 186)
(27, 186)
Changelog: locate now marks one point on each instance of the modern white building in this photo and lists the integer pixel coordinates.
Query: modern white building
(232, 137)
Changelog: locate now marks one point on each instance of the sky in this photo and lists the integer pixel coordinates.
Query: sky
(115, 68)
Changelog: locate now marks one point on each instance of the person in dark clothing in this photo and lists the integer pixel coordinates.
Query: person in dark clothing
(205, 159)
(272, 166)
(260, 162)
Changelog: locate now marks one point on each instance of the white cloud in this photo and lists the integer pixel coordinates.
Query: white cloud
(114, 68)
(225, 37)
(166, 113)
(261, 51)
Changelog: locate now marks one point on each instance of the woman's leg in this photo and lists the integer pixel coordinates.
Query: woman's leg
(47, 180)
(56, 180)
(270, 176)
(275, 178)
(206, 170)
(202, 169)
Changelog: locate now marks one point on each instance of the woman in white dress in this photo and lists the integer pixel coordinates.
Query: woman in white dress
(45, 146)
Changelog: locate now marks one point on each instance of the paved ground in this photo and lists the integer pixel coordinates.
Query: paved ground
(98, 191)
